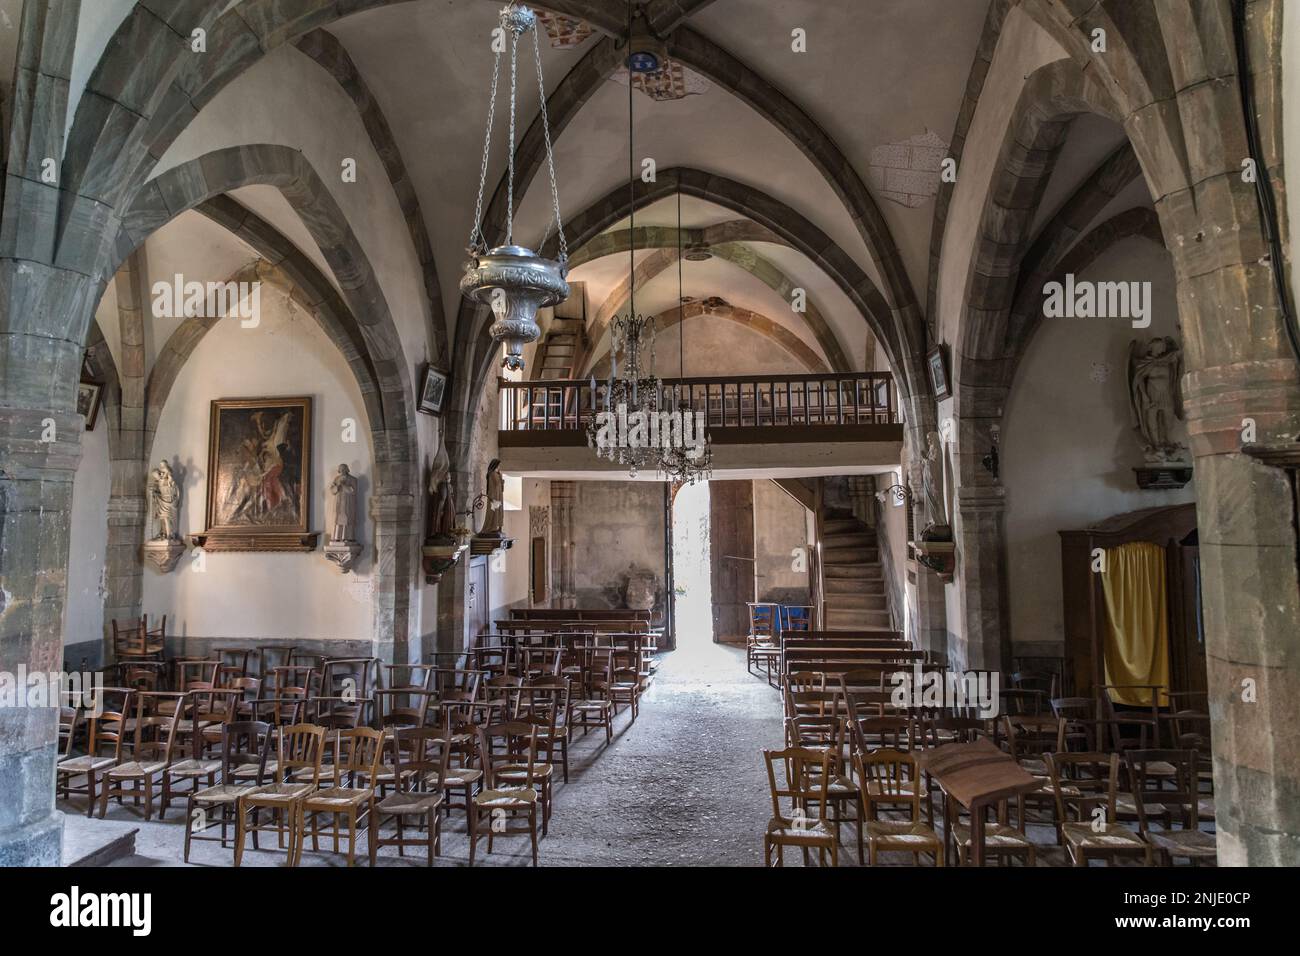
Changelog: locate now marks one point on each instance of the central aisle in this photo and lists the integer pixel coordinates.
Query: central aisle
(685, 784)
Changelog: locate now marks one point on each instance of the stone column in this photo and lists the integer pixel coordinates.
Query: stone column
(128, 512)
(39, 449)
(396, 563)
(979, 529)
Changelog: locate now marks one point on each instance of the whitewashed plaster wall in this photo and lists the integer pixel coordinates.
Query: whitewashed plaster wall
(83, 614)
(780, 527)
(279, 597)
(1068, 448)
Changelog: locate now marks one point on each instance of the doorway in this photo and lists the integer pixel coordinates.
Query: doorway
(692, 579)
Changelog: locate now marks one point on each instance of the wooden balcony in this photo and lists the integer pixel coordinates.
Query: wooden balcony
(751, 411)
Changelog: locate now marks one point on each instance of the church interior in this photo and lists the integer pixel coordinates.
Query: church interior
(748, 433)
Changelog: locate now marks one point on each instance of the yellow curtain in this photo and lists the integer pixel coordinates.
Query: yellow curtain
(1137, 621)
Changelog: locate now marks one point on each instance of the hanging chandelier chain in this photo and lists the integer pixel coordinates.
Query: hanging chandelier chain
(477, 242)
(510, 186)
(550, 155)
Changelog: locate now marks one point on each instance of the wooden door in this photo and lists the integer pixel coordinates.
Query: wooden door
(478, 607)
(731, 548)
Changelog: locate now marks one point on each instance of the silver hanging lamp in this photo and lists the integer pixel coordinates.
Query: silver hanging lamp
(513, 281)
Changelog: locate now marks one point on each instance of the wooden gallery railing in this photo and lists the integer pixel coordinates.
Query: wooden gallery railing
(737, 401)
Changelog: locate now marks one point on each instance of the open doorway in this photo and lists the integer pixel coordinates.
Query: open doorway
(692, 580)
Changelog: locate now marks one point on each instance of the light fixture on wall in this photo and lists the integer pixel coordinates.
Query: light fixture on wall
(633, 392)
(682, 462)
(513, 281)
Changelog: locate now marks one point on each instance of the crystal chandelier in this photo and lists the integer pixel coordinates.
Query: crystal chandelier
(685, 462)
(634, 396)
(514, 282)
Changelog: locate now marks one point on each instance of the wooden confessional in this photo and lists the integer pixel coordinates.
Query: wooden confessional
(1174, 529)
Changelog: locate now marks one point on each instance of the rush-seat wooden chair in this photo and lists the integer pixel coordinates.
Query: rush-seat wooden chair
(893, 775)
(298, 749)
(244, 744)
(799, 780)
(1085, 785)
(420, 759)
(499, 803)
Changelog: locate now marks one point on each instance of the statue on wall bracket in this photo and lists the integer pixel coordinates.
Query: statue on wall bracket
(447, 539)
(164, 547)
(1155, 369)
(491, 502)
(343, 548)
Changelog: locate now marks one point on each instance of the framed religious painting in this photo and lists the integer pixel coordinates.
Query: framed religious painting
(259, 476)
(433, 391)
(89, 395)
(936, 362)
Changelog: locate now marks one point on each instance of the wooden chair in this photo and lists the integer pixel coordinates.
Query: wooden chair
(501, 803)
(547, 698)
(203, 718)
(103, 735)
(1177, 797)
(134, 640)
(465, 771)
(152, 751)
(763, 645)
(298, 748)
(802, 783)
(244, 745)
(421, 756)
(624, 686)
(1087, 783)
(891, 777)
(595, 709)
(359, 752)
(270, 656)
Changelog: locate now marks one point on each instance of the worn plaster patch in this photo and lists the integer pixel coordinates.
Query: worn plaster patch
(907, 172)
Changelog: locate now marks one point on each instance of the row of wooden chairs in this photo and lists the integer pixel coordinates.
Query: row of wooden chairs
(838, 756)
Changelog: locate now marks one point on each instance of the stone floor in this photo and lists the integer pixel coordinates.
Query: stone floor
(685, 784)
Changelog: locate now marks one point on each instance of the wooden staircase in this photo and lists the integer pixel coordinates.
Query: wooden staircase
(563, 347)
(854, 583)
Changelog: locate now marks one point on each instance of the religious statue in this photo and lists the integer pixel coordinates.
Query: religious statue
(493, 497)
(344, 490)
(343, 548)
(1154, 372)
(443, 512)
(164, 502)
(932, 485)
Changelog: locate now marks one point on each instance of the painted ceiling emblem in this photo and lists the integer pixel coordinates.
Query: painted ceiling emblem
(672, 81)
(565, 32)
(907, 172)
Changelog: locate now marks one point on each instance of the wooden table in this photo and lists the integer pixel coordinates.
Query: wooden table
(976, 775)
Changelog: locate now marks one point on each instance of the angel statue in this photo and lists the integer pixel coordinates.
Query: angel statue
(164, 502)
(1154, 372)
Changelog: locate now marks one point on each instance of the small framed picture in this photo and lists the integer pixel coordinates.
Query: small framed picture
(433, 391)
(88, 398)
(936, 361)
